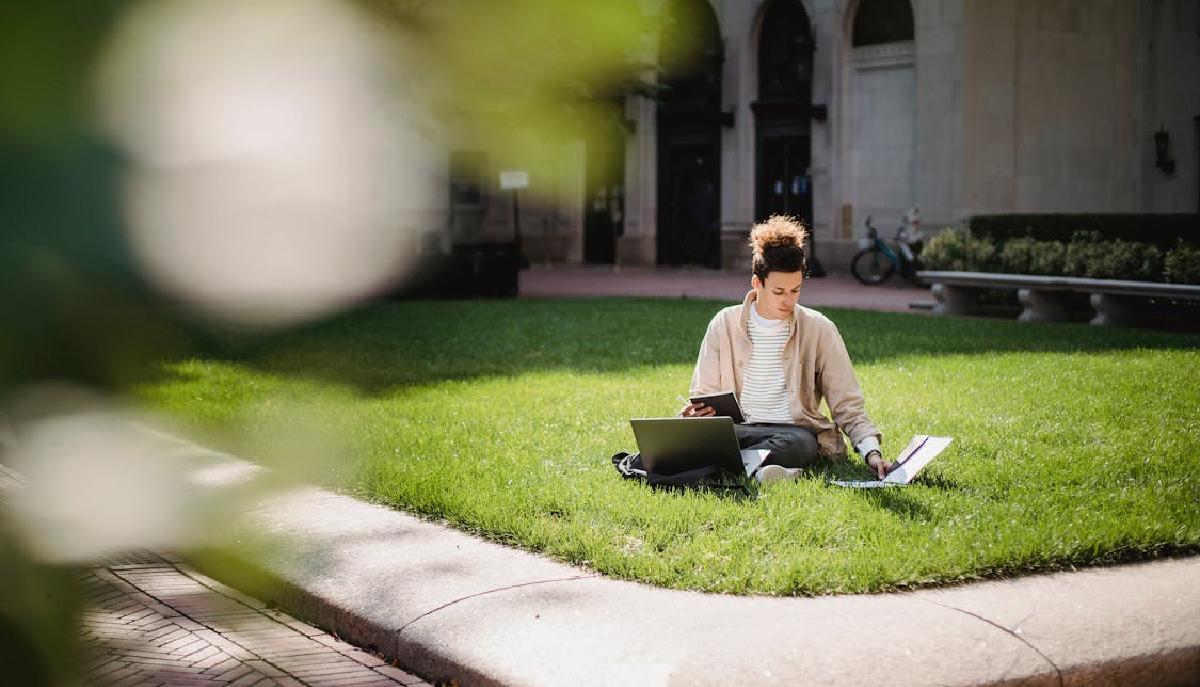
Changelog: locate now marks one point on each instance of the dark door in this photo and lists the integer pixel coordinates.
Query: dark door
(689, 227)
(604, 200)
(784, 186)
(689, 136)
(783, 112)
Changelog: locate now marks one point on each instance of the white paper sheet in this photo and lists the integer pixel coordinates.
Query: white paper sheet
(752, 458)
(920, 451)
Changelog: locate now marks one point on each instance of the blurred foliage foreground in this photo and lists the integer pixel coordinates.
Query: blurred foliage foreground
(217, 170)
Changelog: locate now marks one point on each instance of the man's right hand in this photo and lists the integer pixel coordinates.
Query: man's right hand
(878, 465)
(696, 410)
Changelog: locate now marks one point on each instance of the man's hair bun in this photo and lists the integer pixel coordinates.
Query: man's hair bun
(777, 245)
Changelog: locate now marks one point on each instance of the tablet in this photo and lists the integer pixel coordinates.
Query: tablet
(725, 403)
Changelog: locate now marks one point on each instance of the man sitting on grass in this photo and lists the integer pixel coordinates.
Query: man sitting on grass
(780, 359)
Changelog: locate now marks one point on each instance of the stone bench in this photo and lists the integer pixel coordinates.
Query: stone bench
(1046, 299)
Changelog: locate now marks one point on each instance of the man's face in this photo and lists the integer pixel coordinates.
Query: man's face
(778, 294)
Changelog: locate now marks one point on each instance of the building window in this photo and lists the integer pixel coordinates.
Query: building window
(785, 53)
(882, 21)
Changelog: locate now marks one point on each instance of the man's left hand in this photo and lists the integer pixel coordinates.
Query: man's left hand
(878, 464)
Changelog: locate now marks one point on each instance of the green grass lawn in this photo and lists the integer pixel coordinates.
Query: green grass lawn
(1073, 445)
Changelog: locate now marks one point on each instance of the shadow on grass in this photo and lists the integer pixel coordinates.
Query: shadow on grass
(895, 500)
(940, 483)
(386, 346)
(729, 488)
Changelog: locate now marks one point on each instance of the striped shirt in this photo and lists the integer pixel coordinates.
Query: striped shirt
(764, 391)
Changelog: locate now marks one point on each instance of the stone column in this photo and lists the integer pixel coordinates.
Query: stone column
(637, 246)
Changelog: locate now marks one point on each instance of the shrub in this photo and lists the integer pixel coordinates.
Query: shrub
(1029, 256)
(1182, 264)
(1162, 230)
(958, 250)
(1089, 256)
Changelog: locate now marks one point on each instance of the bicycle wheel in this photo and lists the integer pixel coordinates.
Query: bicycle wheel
(871, 267)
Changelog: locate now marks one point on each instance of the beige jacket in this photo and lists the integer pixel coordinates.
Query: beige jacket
(816, 366)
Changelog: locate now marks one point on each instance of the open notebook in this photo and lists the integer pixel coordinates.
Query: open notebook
(920, 451)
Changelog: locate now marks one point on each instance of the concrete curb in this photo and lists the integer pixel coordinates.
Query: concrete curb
(449, 607)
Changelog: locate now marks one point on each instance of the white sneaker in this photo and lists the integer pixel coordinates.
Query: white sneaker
(776, 473)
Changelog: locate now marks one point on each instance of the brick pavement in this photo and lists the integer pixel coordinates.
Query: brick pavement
(154, 621)
(151, 620)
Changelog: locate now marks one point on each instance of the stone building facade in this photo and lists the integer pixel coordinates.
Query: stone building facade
(835, 110)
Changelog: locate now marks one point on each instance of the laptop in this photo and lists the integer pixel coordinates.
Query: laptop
(671, 445)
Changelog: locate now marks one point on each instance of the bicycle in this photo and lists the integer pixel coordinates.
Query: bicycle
(877, 261)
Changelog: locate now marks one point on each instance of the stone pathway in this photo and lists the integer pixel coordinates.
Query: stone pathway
(153, 621)
(837, 291)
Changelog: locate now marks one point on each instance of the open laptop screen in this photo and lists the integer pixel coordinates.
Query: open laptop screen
(674, 444)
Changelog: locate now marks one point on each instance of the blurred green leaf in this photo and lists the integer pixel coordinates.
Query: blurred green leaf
(47, 50)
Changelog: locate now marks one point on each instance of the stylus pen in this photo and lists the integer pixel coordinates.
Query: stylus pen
(910, 455)
(682, 400)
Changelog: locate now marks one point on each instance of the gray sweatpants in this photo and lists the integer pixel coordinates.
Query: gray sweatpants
(789, 445)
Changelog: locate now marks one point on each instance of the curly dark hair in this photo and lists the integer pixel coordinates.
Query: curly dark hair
(778, 246)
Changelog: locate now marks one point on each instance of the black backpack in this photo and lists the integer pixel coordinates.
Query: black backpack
(709, 478)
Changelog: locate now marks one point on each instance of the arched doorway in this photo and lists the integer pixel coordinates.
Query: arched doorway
(689, 137)
(783, 113)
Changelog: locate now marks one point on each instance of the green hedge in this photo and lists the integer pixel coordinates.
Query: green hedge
(1162, 230)
(1086, 254)
(1089, 255)
(1029, 256)
(957, 249)
(1182, 264)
